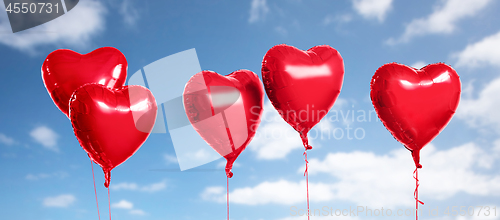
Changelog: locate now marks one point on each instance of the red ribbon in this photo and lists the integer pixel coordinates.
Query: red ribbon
(415, 193)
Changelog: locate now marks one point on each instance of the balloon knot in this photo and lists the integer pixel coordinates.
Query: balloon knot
(229, 174)
(229, 167)
(107, 177)
(308, 147)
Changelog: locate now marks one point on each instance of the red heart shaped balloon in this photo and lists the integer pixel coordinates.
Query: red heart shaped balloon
(415, 105)
(302, 85)
(64, 71)
(225, 110)
(112, 124)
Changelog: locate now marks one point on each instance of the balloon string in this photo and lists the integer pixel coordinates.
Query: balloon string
(306, 174)
(415, 194)
(227, 188)
(95, 190)
(109, 205)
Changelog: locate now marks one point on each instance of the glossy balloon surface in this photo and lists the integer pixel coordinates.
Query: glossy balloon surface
(112, 124)
(302, 85)
(225, 110)
(415, 105)
(64, 71)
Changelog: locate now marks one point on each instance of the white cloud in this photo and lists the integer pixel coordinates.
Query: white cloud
(482, 112)
(258, 11)
(76, 28)
(339, 19)
(154, 187)
(275, 138)
(6, 140)
(34, 177)
(137, 212)
(419, 64)
(61, 201)
(377, 9)
(367, 179)
(123, 204)
(124, 186)
(129, 12)
(281, 30)
(443, 20)
(279, 192)
(46, 137)
(480, 53)
(214, 193)
(170, 158)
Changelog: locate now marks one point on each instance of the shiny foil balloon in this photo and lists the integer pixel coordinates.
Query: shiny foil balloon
(415, 105)
(302, 85)
(112, 124)
(225, 110)
(64, 71)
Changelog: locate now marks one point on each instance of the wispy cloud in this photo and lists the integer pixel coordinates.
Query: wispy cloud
(137, 212)
(372, 9)
(34, 177)
(124, 204)
(443, 20)
(46, 137)
(154, 187)
(6, 140)
(124, 186)
(419, 64)
(275, 138)
(129, 12)
(170, 159)
(214, 193)
(338, 19)
(365, 178)
(258, 11)
(281, 30)
(483, 52)
(280, 192)
(61, 201)
(482, 112)
(70, 29)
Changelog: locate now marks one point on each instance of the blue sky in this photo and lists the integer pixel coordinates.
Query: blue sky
(47, 175)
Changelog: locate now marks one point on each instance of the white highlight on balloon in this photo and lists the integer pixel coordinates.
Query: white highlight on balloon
(140, 106)
(304, 71)
(443, 77)
(117, 71)
(229, 98)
